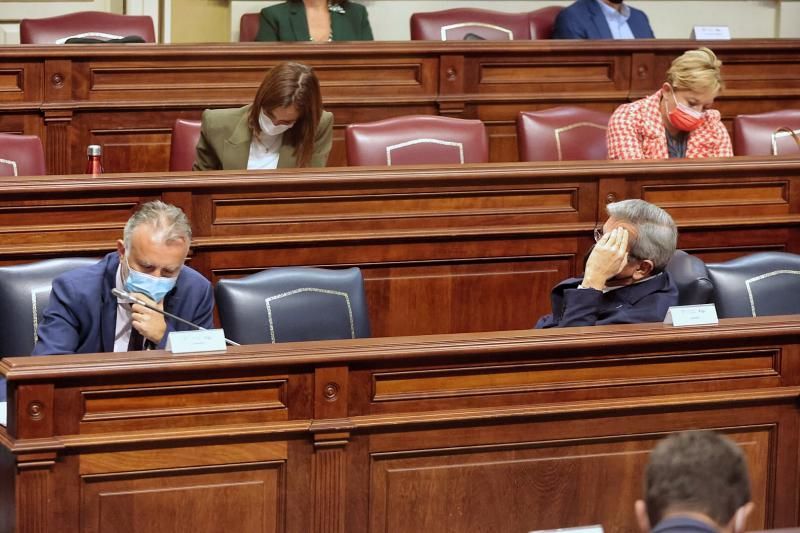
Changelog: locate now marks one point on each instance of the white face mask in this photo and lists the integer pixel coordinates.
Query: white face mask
(268, 127)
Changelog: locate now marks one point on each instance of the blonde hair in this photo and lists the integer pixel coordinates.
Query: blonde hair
(696, 70)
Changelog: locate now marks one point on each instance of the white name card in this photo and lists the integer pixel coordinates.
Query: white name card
(711, 33)
(578, 529)
(199, 340)
(691, 315)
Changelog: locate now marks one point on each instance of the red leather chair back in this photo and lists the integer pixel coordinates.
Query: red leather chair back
(752, 134)
(21, 155)
(564, 133)
(455, 24)
(52, 29)
(542, 21)
(417, 140)
(183, 148)
(248, 27)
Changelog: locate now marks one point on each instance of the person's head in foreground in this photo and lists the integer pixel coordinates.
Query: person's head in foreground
(693, 82)
(635, 243)
(289, 102)
(695, 480)
(153, 249)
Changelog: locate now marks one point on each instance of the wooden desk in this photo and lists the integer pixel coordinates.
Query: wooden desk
(508, 431)
(459, 249)
(126, 98)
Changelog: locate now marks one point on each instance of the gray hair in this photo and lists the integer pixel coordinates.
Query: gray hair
(169, 222)
(657, 235)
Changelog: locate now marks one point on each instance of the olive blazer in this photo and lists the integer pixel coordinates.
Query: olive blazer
(287, 22)
(225, 137)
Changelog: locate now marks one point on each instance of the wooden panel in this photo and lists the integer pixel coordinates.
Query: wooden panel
(191, 500)
(527, 485)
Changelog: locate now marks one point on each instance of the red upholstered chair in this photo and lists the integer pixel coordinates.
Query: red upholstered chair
(752, 134)
(417, 139)
(542, 21)
(456, 24)
(248, 27)
(562, 134)
(85, 24)
(183, 148)
(21, 155)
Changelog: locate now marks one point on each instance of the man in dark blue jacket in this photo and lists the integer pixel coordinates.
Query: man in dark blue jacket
(84, 317)
(624, 281)
(602, 19)
(695, 482)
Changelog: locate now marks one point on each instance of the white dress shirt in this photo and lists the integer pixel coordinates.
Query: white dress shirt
(264, 151)
(617, 20)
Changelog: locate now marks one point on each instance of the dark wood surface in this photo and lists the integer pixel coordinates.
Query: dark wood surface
(126, 97)
(480, 432)
(443, 250)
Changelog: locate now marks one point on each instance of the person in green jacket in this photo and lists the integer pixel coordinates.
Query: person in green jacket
(284, 127)
(314, 20)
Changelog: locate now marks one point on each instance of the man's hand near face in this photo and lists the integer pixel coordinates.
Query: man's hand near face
(608, 258)
(149, 323)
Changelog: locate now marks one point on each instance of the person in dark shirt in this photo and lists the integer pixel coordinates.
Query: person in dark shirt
(318, 21)
(601, 19)
(624, 281)
(695, 482)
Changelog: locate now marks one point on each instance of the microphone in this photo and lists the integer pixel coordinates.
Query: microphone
(128, 297)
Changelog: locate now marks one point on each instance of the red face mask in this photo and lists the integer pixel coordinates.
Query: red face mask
(684, 117)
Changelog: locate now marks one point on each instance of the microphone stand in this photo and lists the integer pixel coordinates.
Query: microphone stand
(131, 298)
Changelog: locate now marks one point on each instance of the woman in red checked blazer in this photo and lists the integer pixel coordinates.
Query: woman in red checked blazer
(676, 121)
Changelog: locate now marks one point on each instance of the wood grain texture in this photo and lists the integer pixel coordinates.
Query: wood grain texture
(482, 432)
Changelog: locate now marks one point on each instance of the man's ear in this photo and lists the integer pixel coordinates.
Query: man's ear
(120, 248)
(642, 519)
(644, 270)
(739, 520)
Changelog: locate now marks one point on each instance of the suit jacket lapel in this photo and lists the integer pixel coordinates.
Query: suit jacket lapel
(299, 22)
(599, 20)
(286, 157)
(236, 150)
(108, 307)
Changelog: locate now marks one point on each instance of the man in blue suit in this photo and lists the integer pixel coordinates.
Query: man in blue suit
(602, 19)
(624, 281)
(84, 317)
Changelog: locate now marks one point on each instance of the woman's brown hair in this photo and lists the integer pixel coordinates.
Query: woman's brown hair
(291, 84)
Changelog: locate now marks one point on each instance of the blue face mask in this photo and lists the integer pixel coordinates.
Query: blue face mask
(155, 288)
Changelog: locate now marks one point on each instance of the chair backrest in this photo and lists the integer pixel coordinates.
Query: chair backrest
(752, 134)
(248, 27)
(85, 24)
(290, 304)
(469, 23)
(542, 21)
(691, 277)
(762, 284)
(25, 292)
(183, 145)
(417, 139)
(564, 133)
(21, 155)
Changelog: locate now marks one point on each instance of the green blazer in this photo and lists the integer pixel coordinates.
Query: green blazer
(287, 22)
(225, 141)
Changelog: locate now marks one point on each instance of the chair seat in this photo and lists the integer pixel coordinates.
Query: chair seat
(21, 155)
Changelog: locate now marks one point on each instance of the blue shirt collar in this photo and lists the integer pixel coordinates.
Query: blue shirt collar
(683, 524)
(609, 12)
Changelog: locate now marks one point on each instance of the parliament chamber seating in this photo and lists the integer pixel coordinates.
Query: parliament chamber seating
(757, 134)
(691, 277)
(21, 155)
(542, 21)
(25, 293)
(463, 23)
(248, 27)
(761, 284)
(52, 30)
(292, 304)
(417, 139)
(183, 144)
(564, 133)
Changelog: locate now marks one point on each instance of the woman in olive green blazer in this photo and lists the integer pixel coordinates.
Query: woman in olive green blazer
(226, 134)
(287, 22)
